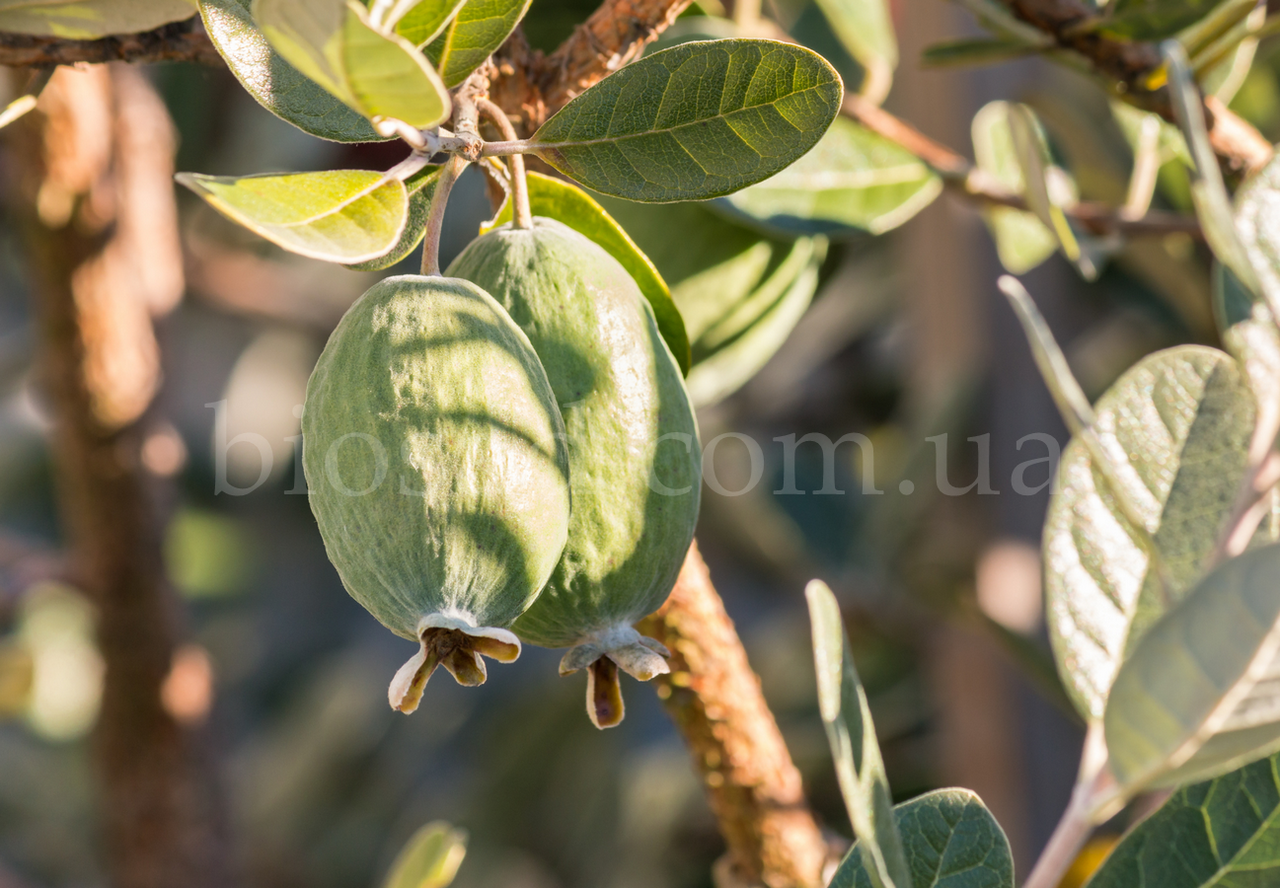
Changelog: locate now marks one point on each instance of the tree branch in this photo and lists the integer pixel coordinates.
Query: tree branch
(176, 42)
(715, 700)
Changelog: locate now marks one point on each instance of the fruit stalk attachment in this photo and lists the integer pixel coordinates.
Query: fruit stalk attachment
(453, 168)
(521, 215)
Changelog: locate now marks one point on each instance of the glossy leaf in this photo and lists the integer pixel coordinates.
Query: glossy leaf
(332, 42)
(90, 19)
(1198, 696)
(1154, 19)
(344, 216)
(479, 28)
(865, 28)
(852, 180)
(420, 186)
(852, 735)
(278, 86)
(725, 367)
(951, 841)
(1183, 418)
(698, 120)
(1226, 832)
(565, 202)
(430, 859)
(424, 22)
(1022, 240)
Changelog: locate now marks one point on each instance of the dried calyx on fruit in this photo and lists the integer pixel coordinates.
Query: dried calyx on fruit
(635, 463)
(438, 474)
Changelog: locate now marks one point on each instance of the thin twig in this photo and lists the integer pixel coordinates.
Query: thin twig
(449, 174)
(521, 215)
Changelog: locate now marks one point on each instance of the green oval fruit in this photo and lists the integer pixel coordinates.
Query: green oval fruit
(634, 460)
(435, 457)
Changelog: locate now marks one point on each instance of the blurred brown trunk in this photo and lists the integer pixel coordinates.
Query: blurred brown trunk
(94, 191)
(715, 700)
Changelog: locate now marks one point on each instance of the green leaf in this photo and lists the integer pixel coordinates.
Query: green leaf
(698, 120)
(424, 22)
(1197, 698)
(90, 19)
(565, 202)
(1022, 240)
(865, 28)
(1183, 417)
(479, 28)
(722, 364)
(344, 216)
(1141, 20)
(1257, 225)
(951, 840)
(980, 51)
(420, 186)
(274, 83)
(852, 735)
(1226, 832)
(379, 75)
(852, 180)
(430, 859)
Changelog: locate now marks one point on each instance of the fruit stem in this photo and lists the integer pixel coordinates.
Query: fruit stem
(521, 215)
(453, 168)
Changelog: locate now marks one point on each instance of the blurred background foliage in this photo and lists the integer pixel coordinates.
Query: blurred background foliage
(899, 337)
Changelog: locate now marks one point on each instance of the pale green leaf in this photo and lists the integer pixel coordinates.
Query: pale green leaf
(853, 179)
(421, 187)
(346, 216)
(479, 28)
(1154, 19)
(1257, 225)
(90, 19)
(1022, 240)
(379, 75)
(1226, 833)
(430, 859)
(1183, 417)
(843, 705)
(722, 369)
(1198, 696)
(278, 86)
(698, 120)
(865, 28)
(1131, 121)
(566, 203)
(424, 22)
(951, 841)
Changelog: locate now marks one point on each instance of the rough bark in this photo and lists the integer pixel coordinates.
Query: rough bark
(93, 186)
(177, 42)
(715, 700)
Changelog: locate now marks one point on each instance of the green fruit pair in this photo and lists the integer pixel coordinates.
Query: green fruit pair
(634, 461)
(438, 474)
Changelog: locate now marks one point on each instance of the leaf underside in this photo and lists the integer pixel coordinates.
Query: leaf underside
(88, 20)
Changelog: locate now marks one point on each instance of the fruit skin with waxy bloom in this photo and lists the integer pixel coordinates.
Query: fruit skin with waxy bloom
(435, 457)
(634, 460)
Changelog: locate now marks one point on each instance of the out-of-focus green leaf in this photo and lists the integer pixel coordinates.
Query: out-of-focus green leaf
(567, 203)
(90, 19)
(1197, 698)
(479, 28)
(853, 179)
(1257, 226)
(1131, 120)
(379, 75)
(420, 186)
(1142, 20)
(1022, 240)
(424, 22)
(951, 841)
(278, 86)
(430, 859)
(347, 216)
(843, 705)
(865, 27)
(761, 324)
(1225, 832)
(979, 51)
(698, 120)
(1180, 420)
